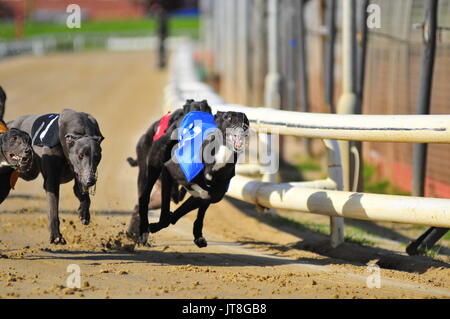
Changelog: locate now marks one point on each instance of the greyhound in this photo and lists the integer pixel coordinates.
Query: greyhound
(16, 153)
(209, 183)
(66, 146)
(151, 150)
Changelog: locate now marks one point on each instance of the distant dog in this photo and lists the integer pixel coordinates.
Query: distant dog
(153, 150)
(16, 153)
(66, 147)
(206, 177)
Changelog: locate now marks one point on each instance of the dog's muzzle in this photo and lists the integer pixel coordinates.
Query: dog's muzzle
(23, 163)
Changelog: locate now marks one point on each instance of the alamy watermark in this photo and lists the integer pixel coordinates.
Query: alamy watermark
(73, 20)
(374, 16)
(74, 279)
(374, 279)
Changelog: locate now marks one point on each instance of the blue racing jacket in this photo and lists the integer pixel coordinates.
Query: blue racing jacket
(193, 130)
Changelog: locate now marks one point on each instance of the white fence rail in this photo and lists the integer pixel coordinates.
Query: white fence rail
(324, 196)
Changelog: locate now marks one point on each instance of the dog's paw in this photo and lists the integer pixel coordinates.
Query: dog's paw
(57, 240)
(142, 239)
(84, 216)
(84, 220)
(200, 242)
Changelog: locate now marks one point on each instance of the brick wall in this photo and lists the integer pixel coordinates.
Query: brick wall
(97, 9)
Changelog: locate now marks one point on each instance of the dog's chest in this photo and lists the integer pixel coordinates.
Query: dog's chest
(222, 157)
(4, 163)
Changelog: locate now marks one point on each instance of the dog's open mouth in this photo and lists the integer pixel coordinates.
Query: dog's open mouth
(22, 163)
(238, 143)
(85, 187)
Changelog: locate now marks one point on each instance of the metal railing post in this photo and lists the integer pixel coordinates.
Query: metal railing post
(348, 100)
(424, 98)
(432, 235)
(303, 69)
(329, 54)
(337, 233)
(272, 90)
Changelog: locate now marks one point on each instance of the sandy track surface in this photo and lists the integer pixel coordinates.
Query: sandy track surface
(248, 256)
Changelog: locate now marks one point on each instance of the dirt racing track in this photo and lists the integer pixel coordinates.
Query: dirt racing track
(248, 255)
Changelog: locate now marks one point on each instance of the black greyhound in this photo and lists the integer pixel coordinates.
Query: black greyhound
(218, 153)
(16, 153)
(153, 150)
(66, 146)
(156, 135)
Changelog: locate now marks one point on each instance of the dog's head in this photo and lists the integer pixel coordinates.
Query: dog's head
(192, 105)
(234, 127)
(84, 154)
(17, 150)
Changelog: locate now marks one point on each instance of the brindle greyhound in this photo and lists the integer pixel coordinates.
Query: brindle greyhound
(16, 153)
(75, 155)
(209, 186)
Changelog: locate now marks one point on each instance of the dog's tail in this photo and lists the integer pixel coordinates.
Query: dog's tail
(133, 162)
(2, 103)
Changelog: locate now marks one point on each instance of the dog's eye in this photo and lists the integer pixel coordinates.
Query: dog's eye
(81, 156)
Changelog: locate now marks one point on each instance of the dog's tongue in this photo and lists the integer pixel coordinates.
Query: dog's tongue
(237, 145)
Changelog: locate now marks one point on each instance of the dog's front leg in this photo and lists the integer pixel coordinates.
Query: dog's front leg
(51, 169)
(189, 205)
(166, 192)
(5, 184)
(85, 203)
(199, 240)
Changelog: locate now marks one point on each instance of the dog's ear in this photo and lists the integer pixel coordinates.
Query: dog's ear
(71, 138)
(99, 139)
(205, 107)
(2, 102)
(2, 96)
(187, 106)
(218, 115)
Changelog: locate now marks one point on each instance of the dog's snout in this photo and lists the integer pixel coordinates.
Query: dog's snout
(91, 181)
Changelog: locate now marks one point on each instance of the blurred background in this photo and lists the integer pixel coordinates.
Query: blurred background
(100, 19)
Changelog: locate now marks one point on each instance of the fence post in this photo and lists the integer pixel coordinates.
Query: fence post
(424, 98)
(361, 48)
(433, 234)
(258, 38)
(333, 154)
(335, 174)
(303, 61)
(348, 100)
(329, 54)
(272, 90)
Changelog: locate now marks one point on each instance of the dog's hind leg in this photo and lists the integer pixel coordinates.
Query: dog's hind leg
(85, 203)
(199, 240)
(166, 192)
(146, 179)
